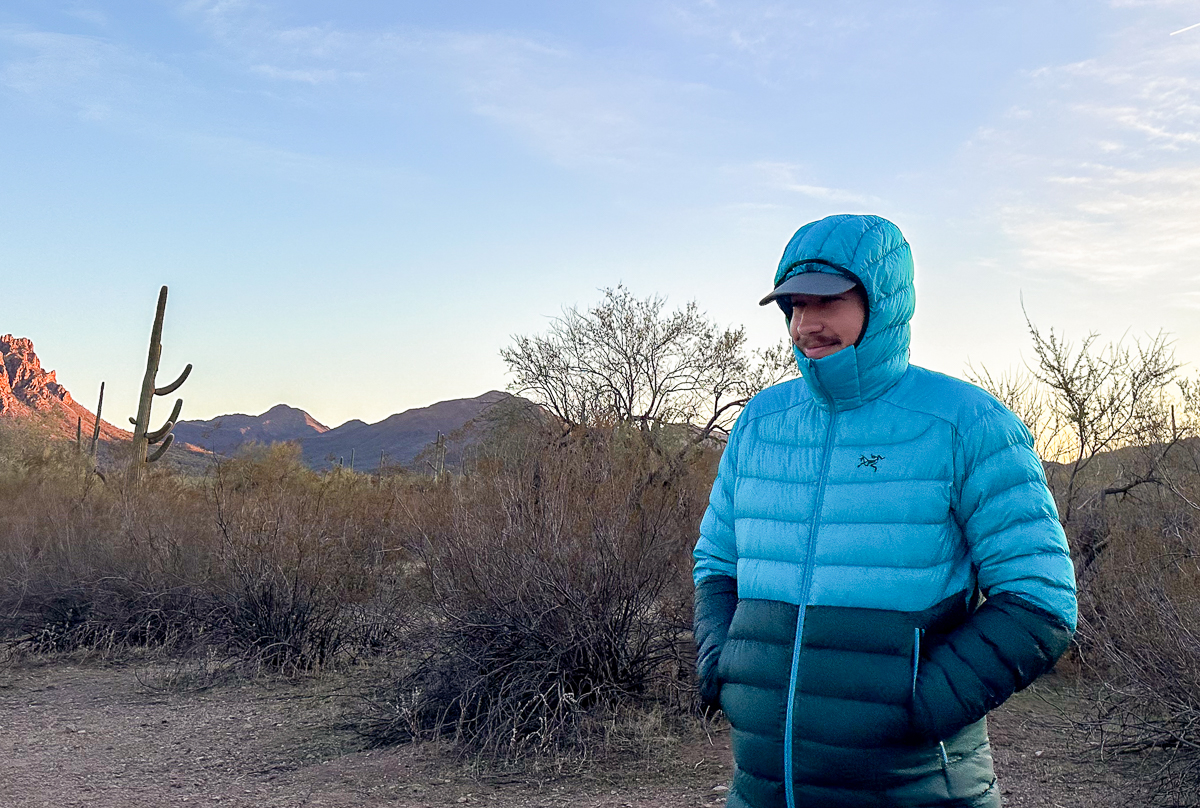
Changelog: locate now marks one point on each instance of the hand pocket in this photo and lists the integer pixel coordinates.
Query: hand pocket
(709, 678)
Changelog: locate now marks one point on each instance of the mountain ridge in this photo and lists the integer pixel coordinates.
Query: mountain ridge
(395, 440)
(28, 391)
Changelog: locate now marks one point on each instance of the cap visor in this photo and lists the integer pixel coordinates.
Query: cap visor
(810, 283)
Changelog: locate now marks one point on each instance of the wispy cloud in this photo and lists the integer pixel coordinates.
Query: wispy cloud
(119, 88)
(1102, 179)
(793, 178)
(779, 42)
(82, 72)
(576, 106)
(1112, 225)
(88, 13)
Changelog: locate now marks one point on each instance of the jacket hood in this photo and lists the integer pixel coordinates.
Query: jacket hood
(871, 250)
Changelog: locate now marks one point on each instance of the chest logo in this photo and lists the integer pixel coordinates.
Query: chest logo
(870, 462)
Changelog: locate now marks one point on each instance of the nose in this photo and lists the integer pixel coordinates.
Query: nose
(805, 321)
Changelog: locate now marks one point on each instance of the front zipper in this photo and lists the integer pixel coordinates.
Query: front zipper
(917, 633)
(805, 586)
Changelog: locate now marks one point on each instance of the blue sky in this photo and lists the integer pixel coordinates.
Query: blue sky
(357, 204)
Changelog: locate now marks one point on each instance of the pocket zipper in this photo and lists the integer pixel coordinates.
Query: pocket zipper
(945, 767)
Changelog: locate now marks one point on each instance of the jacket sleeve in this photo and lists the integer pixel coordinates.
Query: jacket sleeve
(715, 574)
(716, 550)
(716, 601)
(1024, 569)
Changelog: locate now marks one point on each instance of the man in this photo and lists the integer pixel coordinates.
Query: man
(881, 562)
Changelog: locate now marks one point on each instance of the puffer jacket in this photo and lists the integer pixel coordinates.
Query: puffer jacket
(880, 564)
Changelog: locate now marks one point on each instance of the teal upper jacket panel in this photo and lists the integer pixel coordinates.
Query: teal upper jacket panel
(914, 485)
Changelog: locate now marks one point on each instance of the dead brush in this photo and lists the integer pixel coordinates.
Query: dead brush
(86, 569)
(302, 556)
(1139, 640)
(263, 564)
(559, 596)
(111, 617)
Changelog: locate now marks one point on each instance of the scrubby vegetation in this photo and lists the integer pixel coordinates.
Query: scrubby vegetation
(559, 584)
(527, 603)
(1119, 428)
(536, 601)
(261, 562)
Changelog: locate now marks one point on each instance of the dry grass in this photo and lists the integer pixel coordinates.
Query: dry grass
(536, 609)
(559, 580)
(1139, 643)
(533, 605)
(262, 560)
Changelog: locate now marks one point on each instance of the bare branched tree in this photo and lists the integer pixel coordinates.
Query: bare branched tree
(1082, 403)
(1116, 425)
(627, 360)
(1107, 397)
(1029, 401)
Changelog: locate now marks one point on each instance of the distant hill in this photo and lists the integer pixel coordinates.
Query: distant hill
(400, 438)
(225, 433)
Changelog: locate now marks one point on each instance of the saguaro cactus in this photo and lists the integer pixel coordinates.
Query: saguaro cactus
(142, 437)
(96, 426)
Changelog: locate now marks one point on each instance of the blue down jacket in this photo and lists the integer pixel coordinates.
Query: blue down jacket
(880, 564)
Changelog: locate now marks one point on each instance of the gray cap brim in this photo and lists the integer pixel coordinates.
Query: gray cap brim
(810, 283)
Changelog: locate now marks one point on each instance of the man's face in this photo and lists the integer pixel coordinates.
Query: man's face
(821, 326)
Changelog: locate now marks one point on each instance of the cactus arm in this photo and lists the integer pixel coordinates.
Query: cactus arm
(173, 386)
(155, 437)
(161, 450)
(159, 434)
(78, 432)
(142, 435)
(133, 420)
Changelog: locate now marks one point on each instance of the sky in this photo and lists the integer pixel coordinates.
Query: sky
(357, 204)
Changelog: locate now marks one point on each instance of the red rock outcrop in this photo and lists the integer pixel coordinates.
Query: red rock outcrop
(26, 389)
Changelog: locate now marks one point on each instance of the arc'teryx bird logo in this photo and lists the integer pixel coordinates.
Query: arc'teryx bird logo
(863, 460)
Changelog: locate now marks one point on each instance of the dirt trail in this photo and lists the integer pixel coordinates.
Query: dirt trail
(74, 735)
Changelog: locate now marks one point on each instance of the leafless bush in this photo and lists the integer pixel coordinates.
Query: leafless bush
(532, 602)
(560, 593)
(627, 361)
(1117, 426)
(263, 561)
(1140, 641)
(1085, 403)
(82, 567)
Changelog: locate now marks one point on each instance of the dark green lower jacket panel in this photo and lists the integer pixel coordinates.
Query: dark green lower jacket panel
(922, 778)
(852, 736)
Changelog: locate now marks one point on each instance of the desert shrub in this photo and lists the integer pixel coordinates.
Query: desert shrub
(559, 591)
(112, 615)
(1138, 642)
(312, 572)
(84, 567)
(1117, 425)
(262, 562)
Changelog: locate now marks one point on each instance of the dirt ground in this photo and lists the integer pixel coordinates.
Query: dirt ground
(109, 737)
